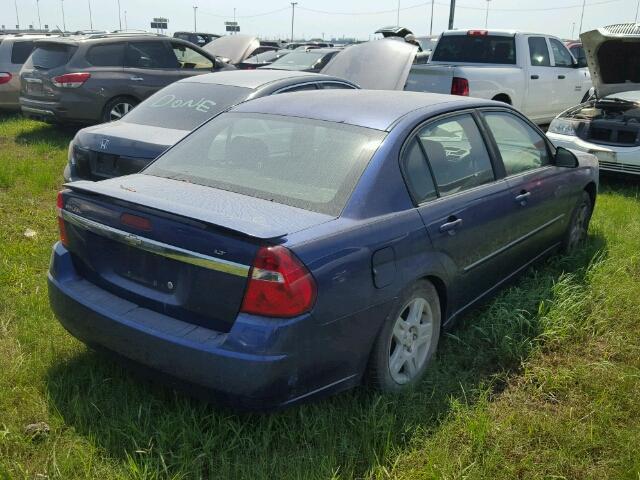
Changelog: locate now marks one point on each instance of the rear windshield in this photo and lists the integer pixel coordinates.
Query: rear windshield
(51, 55)
(309, 164)
(298, 60)
(476, 49)
(184, 106)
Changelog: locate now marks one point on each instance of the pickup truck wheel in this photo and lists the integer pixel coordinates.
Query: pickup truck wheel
(577, 231)
(407, 340)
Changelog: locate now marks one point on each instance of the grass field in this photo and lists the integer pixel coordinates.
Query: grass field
(541, 382)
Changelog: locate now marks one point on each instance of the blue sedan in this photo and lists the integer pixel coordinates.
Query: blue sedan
(292, 248)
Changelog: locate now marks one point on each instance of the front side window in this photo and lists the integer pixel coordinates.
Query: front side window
(150, 55)
(539, 52)
(457, 154)
(191, 59)
(108, 55)
(21, 51)
(561, 55)
(521, 147)
(309, 164)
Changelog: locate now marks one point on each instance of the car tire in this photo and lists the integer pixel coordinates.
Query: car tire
(117, 107)
(579, 224)
(407, 341)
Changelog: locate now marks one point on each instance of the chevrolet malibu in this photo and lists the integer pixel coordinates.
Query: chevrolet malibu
(290, 249)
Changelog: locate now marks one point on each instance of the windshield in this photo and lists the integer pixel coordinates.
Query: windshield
(309, 164)
(476, 49)
(184, 106)
(427, 44)
(298, 60)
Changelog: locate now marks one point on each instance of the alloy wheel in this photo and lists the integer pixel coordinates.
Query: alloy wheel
(119, 110)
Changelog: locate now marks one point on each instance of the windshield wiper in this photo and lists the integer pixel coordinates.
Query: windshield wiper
(617, 100)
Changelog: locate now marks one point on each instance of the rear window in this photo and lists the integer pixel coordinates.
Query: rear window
(21, 51)
(184, 106)
(476, 49)
(51, 55)
(309, 164)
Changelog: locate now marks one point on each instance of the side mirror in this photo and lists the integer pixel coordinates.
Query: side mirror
(565, 158)
(580, 63)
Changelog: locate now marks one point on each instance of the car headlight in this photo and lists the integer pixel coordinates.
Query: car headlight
(564, 126)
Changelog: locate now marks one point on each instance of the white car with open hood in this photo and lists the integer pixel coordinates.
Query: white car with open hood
(607, 125)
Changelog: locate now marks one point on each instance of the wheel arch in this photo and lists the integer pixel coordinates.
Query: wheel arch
(592, 190)
(503, 97)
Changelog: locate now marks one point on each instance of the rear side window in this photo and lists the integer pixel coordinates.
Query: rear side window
(476, 49)
(538, 52)
(561, 55)
(417, 174)
(108, 55)
(51, 55)
(457, 154)
(150, 55)
(20, 52)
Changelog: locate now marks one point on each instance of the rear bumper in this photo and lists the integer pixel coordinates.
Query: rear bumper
(67, 110)
(260, 363)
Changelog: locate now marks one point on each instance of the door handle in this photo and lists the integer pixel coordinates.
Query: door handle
(523, 197)
(561, 77)
(451, 226)
(137, 79)
(535, 77)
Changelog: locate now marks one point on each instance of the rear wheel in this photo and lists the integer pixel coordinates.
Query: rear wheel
(407, 341)
(576, 233)
(118, 107)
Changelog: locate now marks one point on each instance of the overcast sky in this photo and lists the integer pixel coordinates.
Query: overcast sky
(313, 18)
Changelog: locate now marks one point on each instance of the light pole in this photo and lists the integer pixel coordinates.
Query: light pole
(431, 26)
(119, 16)
(398, 15)
(637, 9)
(64, 24)
(581, 16)
(486, 17)
(195, 24)
(126, 27)
(293, 16)
(38, 7)
(573, 29)
(452, 13)
(17, 16)
(90, 17)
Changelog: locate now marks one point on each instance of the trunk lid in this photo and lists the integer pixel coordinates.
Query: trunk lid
(376, 65)
(233, 48)
(176, 248)
(613, 56)
(430, 78)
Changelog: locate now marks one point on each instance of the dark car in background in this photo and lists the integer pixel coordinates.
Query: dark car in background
(291, 249)
(307, 60)
(99, 78)
(197, 38)
(129, 145)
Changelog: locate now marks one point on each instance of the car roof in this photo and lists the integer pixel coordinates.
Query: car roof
(110, 37)
(376, 109)
(254, 78)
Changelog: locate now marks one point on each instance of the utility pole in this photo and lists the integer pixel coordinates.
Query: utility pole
(581, 16)
(452, 12)
(573, 29)
(637, 9)
(126, 27)
(195, 24)
(431, 26)
(234, 20)
(293, 16)
(64, 24)
(90, 17)
(119, 16)
(486, 17)
(38, 7)
(15, 2)
(398, 15)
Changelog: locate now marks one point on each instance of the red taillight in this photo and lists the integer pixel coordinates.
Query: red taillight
(460, 86)
(5, 77)
(139, 223)
(71, 80)
(279, 285)
(61, 226)
(477, 33)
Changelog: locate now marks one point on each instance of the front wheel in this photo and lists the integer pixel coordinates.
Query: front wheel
(407, 341)
(576, 233)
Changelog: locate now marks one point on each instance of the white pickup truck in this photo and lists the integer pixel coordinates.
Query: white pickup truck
(533, 72)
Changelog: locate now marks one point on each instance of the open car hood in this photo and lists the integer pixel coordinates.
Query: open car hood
(235, 48)
(613, 56)
(376, 65)
(394, 31)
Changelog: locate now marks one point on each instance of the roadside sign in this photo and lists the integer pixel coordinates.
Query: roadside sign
(231, 23)
(232, 28)
(160, 25)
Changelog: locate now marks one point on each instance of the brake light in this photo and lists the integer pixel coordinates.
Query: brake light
(5, 77)
(71, 80)
(61, 226)
(477, 33)
(279, 285)
(139, 223)
(460, 86)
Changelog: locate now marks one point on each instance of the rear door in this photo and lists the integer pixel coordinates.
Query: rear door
(541, 81)
(539, 190)
(467, 209)
(150, 66)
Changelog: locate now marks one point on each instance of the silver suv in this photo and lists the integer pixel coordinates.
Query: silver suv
(99, 78)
